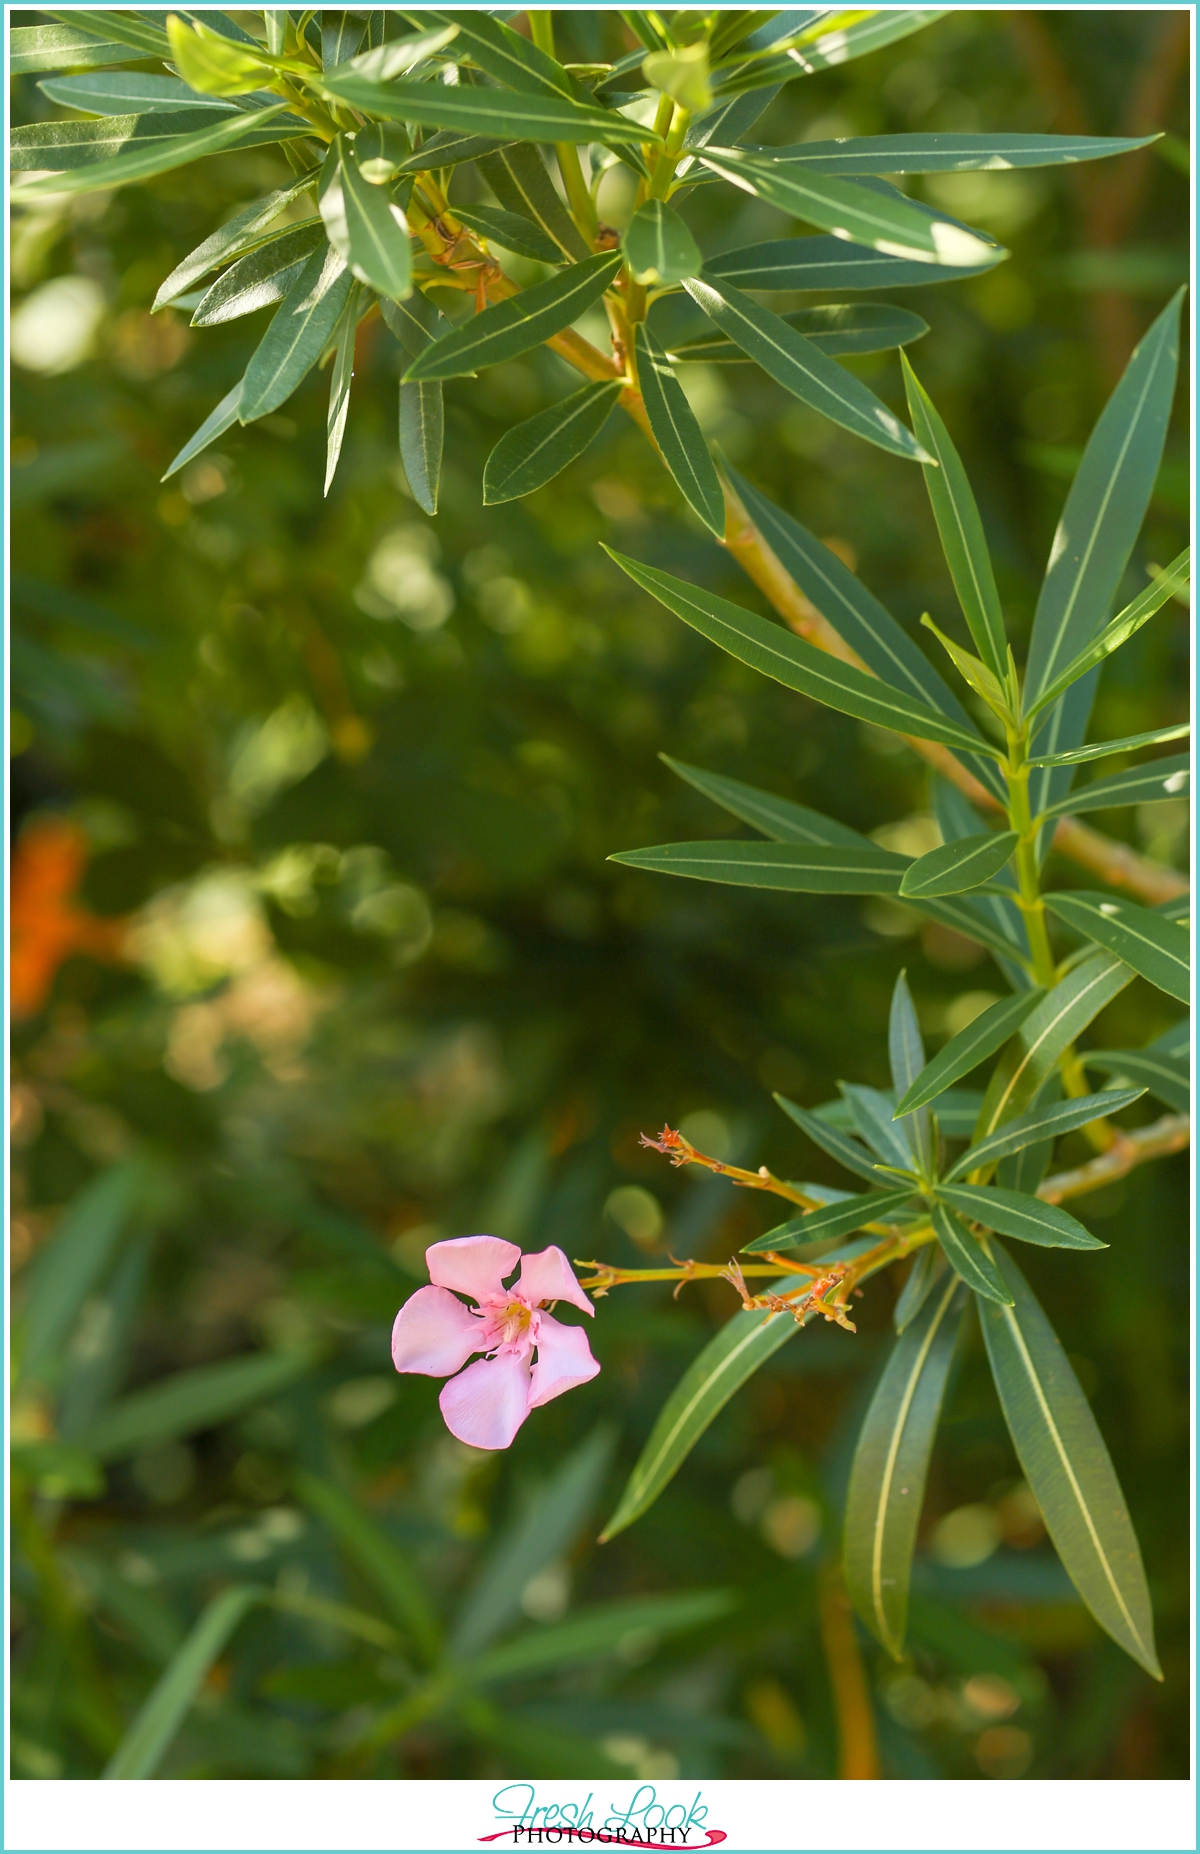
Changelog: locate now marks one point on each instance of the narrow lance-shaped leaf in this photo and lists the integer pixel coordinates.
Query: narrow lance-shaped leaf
(831, 264)
(512, 327)
(793, 867)
(378, 1558)
(891, 1460)
(149, 1737)
(594, 1635)
(70, 1266)
(1162, 1074)
(365, 225)
(57, 48)
(210, 62)
(1042, 1122)
(659, 245)
(959, 525)
(968, 1257)
(966, 1050)
(872, 1113)
(929, 1267)
(953, 868)
(189, 1402)
(263, 276)
(847, 1152)
(797, 664)
(1168, 777)
(66, 145)
(341, 36)
(510, 230)
(1020, 1215)
(886, 221)
(517, 176)
(858, 617)
(1169, 583)
(953, 153)
(830, 1220)
(835, 328)
(532, 453)
(1051, 1027)
(800, 368)
(1154, 947)
(510, 58)
(121, 93)
(479, 110)
(415, 323)
(299, 333)
(906, 1052)
(126, 28)
(246, 129)
(339, 385)
(230, 240)
(677, 433)
(775, 817)
(218, 421)
(725, 1364)
(1067, 1466)
(1101, 749)
(382, 61)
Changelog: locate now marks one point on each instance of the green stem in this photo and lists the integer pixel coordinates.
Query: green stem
(1029, 898)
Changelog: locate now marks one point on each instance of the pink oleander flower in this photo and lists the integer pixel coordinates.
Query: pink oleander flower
(435, 1334)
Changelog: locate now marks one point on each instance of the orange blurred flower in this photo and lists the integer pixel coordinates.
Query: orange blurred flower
(46, 924)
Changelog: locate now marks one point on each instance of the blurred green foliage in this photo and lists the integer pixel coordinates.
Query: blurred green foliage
(353, 774)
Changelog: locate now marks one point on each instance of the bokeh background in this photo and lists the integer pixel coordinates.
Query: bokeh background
(318, 959)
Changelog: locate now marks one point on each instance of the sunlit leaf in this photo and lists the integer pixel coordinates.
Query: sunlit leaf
(482, 110)
(1156, 948)
(677, 433)
(263, 276)
(510, 328)
(365, 225)
(953, 153)
(245, 230)
(150, 155)
(299, 333)
(831, 264)
(129, 93)
(835, 328)
(339, 385)
(1168, 777)
(517, 176)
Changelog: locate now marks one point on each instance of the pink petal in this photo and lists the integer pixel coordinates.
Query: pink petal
(548, 1276)
(486, 1404)
(474, 1265)
(564, 1359)
(434, 1334)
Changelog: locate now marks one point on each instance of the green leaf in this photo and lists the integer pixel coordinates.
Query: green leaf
(1015, 1213)
(69, 1267)
(835, 328)
(148, 1738)
(873, 1114)
(982, 1038)
(1154, 947)
(60, 48)
(251, 128)
(678, 434)
(511, 59)
(218, 421)
(1102, 749)
(832, 264)
(953, 153)
(774, 652)
(1067, 1466)
(955, 867)
(906, 1053)
(517, 176)
(365, 225)
(339, 385)
(189, 1401)
(1164, 1076)
(891, 1461)
(381, 1561)
(659, 246)
(1041, 1123)
(511, 230)
(381, 149)
(126, 28)
(806, 869)
(479, 110)
(968, 1257)
(58, 1470)
(595, 1634)
(1168, 777)
(341, 36)
(886, 221)
(840, 1219)
(929, 1267)
(961, 530)
(210, 62)
(681, 73)
(829, 45)
(547, 1529)
(532, 453)
(735, 1353)
(1165, 585)
(66, 145)
(801, 368)
(857, 616)
(1104, 511)
(511, 328)
(416, 323)
(299, 333)
(381, 62)
(128, 93)
(847, 1152)
(263, 276)
(239, 234)
(775, 817)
